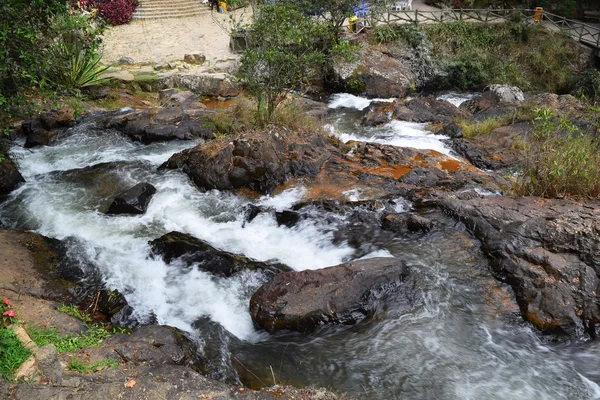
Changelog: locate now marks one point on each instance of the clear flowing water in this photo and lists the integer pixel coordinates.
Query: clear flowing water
(442, 336)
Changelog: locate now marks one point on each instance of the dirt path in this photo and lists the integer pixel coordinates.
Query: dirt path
(165, 40)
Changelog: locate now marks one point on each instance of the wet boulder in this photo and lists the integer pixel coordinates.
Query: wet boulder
(404, 223)
(150, 345)
(426, 109)
(547, 250)
(161, 124)
(287, 218)
(193, 251)
(258, 161)
(10, 177)
(42, 131)
(343, 294)
(35, 134)
(495, 150)
(453, 131)
(133, 201)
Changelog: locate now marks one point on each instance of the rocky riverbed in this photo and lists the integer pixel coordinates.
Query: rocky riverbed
(378, 256)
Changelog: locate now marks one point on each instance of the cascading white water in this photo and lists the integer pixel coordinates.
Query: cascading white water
(396, 133)
(442, 338)
(51, 203)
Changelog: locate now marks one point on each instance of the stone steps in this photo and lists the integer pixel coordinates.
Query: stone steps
(162, 9)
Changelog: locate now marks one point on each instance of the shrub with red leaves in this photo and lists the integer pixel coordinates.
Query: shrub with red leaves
(116, 12)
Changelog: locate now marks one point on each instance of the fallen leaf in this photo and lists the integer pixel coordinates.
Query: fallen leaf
(129, 384)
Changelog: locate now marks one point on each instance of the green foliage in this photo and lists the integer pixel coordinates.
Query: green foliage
(86, 368)
(30, 32)
(473, 128)
(334, 12)
(410, 34)
(531, 57)
(560, 161)
(287, 49)
(587, 84)
(68, 343)
(73, 311)
(566, 7)
(12, 353)
(76, 67)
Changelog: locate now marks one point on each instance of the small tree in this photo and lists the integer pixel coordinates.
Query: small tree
(286, 50)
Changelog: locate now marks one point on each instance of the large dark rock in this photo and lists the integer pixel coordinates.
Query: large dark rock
(133, 201)
(35, 134)
(162, 124)
(42, 132)
(495, 150)
(547, 250)
(426, 109)
(385, 70)
(343, 294)
(153, 345)
(10, 177)
(191, 250)
(258, 161)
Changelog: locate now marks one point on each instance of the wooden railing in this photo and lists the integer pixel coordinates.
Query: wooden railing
(584, 33)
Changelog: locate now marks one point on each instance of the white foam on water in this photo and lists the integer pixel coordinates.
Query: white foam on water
(456, 98)
(353, 194)
(118, 245)
(83, 150)
(283, 200)
(347, 100)
(398, 133)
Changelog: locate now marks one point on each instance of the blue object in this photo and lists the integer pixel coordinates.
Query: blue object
(361, 10)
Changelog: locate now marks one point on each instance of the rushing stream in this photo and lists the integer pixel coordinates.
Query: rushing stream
(447, 338)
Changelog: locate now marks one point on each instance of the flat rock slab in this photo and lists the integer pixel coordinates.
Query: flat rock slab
(343, 294)
(547, 250)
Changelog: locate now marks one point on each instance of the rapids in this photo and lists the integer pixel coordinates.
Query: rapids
(448, 338)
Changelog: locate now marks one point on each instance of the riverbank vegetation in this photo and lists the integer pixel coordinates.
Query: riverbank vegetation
(47, 49)
(468, 55)
(560, 159)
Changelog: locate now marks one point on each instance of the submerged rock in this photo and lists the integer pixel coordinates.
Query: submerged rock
(192, 250)
(547, 250)
(10, 177)
(343, 294)
(133, 201)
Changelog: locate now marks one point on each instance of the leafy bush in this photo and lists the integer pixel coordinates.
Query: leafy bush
(560, 160)
(587, 84)
(29, 31)
(116, 12)
(531, 57)
(287, 50)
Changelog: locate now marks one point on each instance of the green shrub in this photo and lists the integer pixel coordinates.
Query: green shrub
(560, 160)
(531, 57)
(29, 31)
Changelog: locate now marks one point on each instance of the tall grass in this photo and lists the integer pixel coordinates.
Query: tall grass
(560, 160)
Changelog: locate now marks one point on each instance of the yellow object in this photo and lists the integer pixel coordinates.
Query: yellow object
(537, 14)
(352, 23)
(224, 5)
